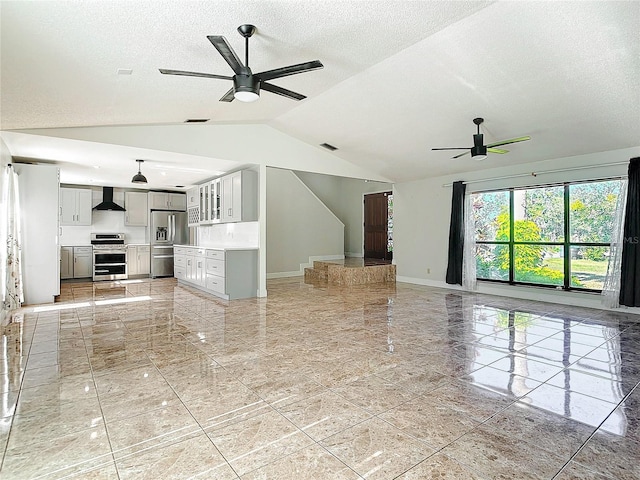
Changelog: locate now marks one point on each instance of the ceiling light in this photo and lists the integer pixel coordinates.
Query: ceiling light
(138, 177)
(124, 71)
(478, 152)
(246, 88)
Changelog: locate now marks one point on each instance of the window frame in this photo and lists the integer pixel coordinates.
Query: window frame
(565, 245)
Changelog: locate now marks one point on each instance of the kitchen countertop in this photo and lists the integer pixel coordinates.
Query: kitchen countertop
(217, 248)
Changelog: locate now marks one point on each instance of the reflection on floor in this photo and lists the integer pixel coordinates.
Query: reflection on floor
(148, 379)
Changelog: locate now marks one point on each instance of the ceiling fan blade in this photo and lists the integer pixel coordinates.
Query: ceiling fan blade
(452, 148)
(269, 87)
(227, 53)
(193, 74)
(228, 97)
(497, 150)
(506, 142)
(462, 154)
(290, 70)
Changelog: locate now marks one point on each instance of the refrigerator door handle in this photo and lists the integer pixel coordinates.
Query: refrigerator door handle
(170, 228)
(173, 229)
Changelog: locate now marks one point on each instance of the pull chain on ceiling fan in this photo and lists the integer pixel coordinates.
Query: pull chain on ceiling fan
(479, 150)
(247, 85)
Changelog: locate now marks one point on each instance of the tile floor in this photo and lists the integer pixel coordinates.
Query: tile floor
(148, 379)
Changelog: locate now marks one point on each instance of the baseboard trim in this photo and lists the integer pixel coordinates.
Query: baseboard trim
(284, 274)
(539, 294)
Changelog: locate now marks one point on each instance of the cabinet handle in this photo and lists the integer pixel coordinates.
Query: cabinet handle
(229, 212)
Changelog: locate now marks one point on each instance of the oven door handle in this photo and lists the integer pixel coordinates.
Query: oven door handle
(163, 256)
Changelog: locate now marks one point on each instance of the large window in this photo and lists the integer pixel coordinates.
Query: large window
(556, 236)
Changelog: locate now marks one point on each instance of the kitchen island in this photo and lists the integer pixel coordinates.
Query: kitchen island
(227, 272)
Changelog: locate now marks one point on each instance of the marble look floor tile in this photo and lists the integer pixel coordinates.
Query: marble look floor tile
(440, 467)
(416, 377)
(430, 422)
(280, 391)
(323, 415)
(136, 401)
(158, 427)
(310, 463)
(527, 367)
(226, 406)
(573, 405)
(52, 395)
(575, 471)
(257, 441)
(602, 386)
(105, 471)
(376, 449)
(374, 394)
(68, 454)
(612, 455)
(495, 455)
(475, 402)
(192, 458)
(51, 422)
(549, 431)
(504, 383)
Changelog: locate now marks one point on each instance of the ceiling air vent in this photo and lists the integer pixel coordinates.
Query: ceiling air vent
(328, 146)
(196, 120)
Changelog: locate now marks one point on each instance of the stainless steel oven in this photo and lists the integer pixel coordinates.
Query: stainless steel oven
(109, 256)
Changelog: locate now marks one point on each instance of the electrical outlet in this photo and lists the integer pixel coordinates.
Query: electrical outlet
(428, 271)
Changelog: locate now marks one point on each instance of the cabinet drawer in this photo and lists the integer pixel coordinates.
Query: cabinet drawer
(82, 249)
(215, 267)
(215, 283)
(179, 261)
(144, 248)
(179, 250)
(180, 273)
(217, 254)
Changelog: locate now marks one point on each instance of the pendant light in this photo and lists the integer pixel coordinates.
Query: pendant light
(138, 177)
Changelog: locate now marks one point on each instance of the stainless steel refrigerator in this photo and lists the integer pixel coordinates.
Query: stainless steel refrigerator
(167, 229)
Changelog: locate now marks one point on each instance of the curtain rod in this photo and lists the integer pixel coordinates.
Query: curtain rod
(543, 172)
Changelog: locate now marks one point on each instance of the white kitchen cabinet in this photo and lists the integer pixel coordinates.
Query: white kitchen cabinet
(138, 260)
(239, 196)
(82, 262)
(75, 206)
(66, 262)
(205, 203)
(193, 198)
(167, 201)
(215, 198)
(228, 274)
(137, 209)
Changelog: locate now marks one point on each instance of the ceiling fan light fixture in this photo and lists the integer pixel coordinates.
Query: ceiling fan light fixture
(138, 177)
(246, 88)
(479, 152)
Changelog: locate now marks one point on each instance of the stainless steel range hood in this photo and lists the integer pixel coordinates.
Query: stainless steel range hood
(107, 201)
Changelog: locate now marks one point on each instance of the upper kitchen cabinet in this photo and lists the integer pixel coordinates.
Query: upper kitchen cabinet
(239, 196)
(137, 209)
(75, 206)
(167, 201)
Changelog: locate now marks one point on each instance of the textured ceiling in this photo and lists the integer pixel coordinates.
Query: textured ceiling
(400, 77)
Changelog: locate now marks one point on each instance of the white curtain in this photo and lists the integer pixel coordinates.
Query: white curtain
(469, 281)
(10, 249)
(611, 288)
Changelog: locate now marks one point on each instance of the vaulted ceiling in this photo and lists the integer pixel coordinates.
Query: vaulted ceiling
(399, 78)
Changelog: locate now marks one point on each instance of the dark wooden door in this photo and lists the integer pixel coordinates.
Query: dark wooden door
(376, 220)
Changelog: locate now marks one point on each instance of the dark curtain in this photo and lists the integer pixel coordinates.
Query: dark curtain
(630, 270)
(456, 235)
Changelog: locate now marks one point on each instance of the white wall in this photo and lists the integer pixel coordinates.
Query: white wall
(298, 224)
(241, 234)
(422, 212)
(254, 144)
(344, 197)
